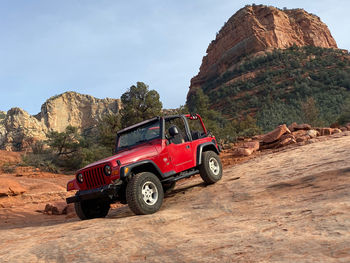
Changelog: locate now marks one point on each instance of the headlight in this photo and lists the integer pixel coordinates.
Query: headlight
(108, 170)
(80, 178)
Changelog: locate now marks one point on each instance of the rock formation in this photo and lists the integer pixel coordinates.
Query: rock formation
(75, 109)
(260, 28)
(18, 129)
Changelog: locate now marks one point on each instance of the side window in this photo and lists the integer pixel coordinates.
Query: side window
(196, 128)
(180, 125)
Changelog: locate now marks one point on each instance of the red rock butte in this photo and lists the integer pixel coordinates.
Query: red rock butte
(260, 28)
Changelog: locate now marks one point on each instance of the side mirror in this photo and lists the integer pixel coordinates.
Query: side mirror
(173, 131)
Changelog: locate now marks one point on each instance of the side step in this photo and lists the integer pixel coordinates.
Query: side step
(180, 176)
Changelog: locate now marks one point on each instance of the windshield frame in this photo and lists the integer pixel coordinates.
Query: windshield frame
(138, 126)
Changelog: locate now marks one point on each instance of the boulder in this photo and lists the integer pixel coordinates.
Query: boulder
(313, 133)
(299, 133)
(292, 126)
(336, 130)
(9, 187)
(251, 145)
(285, 142)
(325, 131)
(275, 134)
(242, 151)
(287, 135)
(57, 208)
(258, 137)
(302, 127)
(246, 148)
(302, 138)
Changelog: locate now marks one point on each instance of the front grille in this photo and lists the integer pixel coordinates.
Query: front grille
(94, 177)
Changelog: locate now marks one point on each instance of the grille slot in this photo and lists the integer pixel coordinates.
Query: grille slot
(94, 177)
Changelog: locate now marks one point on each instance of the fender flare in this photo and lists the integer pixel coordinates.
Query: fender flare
(200, 147)
(124, 173)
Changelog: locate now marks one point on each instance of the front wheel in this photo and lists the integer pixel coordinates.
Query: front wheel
(90, 209)
(211, 167)
(144, 193)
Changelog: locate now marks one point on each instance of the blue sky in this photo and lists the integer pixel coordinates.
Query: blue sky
(103, 47)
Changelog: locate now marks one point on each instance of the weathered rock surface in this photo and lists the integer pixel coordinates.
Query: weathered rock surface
(296, 127)
(78, 110)
(313, 133)
(289, 206)
(246, 148)
(10, 187)
(260, 28)
(58, 208)
(242, 151)
(275, 134)
(325, 131)
(19, 129)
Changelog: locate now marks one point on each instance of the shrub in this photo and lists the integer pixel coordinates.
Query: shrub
(8, 168)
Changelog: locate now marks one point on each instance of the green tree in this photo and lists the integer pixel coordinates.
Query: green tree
(344, 118)
(246, 127)
(107, 129)
(64, 143)
(139, 103)
(198, 102)
(310, 112)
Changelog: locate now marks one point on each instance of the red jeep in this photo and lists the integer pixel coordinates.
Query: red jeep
(150, 157)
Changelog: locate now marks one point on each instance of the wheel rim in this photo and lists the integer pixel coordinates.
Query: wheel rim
(214, 166)
(149, 193)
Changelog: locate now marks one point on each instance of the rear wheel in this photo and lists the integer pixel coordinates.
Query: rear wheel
(144, 193)
(90, 209)
(211, 167)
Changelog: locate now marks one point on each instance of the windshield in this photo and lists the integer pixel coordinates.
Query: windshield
(143, 133)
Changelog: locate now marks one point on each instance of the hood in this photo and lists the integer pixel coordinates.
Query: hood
(140, 152)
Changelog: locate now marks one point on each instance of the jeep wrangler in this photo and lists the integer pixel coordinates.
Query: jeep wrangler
(149, 158)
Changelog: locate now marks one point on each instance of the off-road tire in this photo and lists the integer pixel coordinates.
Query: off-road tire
(144, 193)
(210, 168)
(90, 209)
(168, 187)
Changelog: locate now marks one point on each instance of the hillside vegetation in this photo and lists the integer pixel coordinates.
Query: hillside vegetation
(301, 84)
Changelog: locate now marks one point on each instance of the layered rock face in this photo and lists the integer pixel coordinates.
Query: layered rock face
(260, 28)
(75, 109)
(19, 129)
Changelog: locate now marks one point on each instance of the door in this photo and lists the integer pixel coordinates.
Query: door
(179, 146)
(180, 156)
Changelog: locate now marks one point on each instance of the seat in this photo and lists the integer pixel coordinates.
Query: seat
(175, 135)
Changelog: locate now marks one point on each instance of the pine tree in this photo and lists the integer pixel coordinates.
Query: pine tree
(139, 103)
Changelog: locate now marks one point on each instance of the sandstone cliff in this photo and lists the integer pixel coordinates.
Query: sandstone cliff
(266, 63)
(18, 129)
(259, 28)
(75, 109)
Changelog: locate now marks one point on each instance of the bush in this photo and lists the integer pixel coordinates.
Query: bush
(344, 117)
(8, 168)
(45, 162)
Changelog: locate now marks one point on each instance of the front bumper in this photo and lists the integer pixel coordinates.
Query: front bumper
(105, 192)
